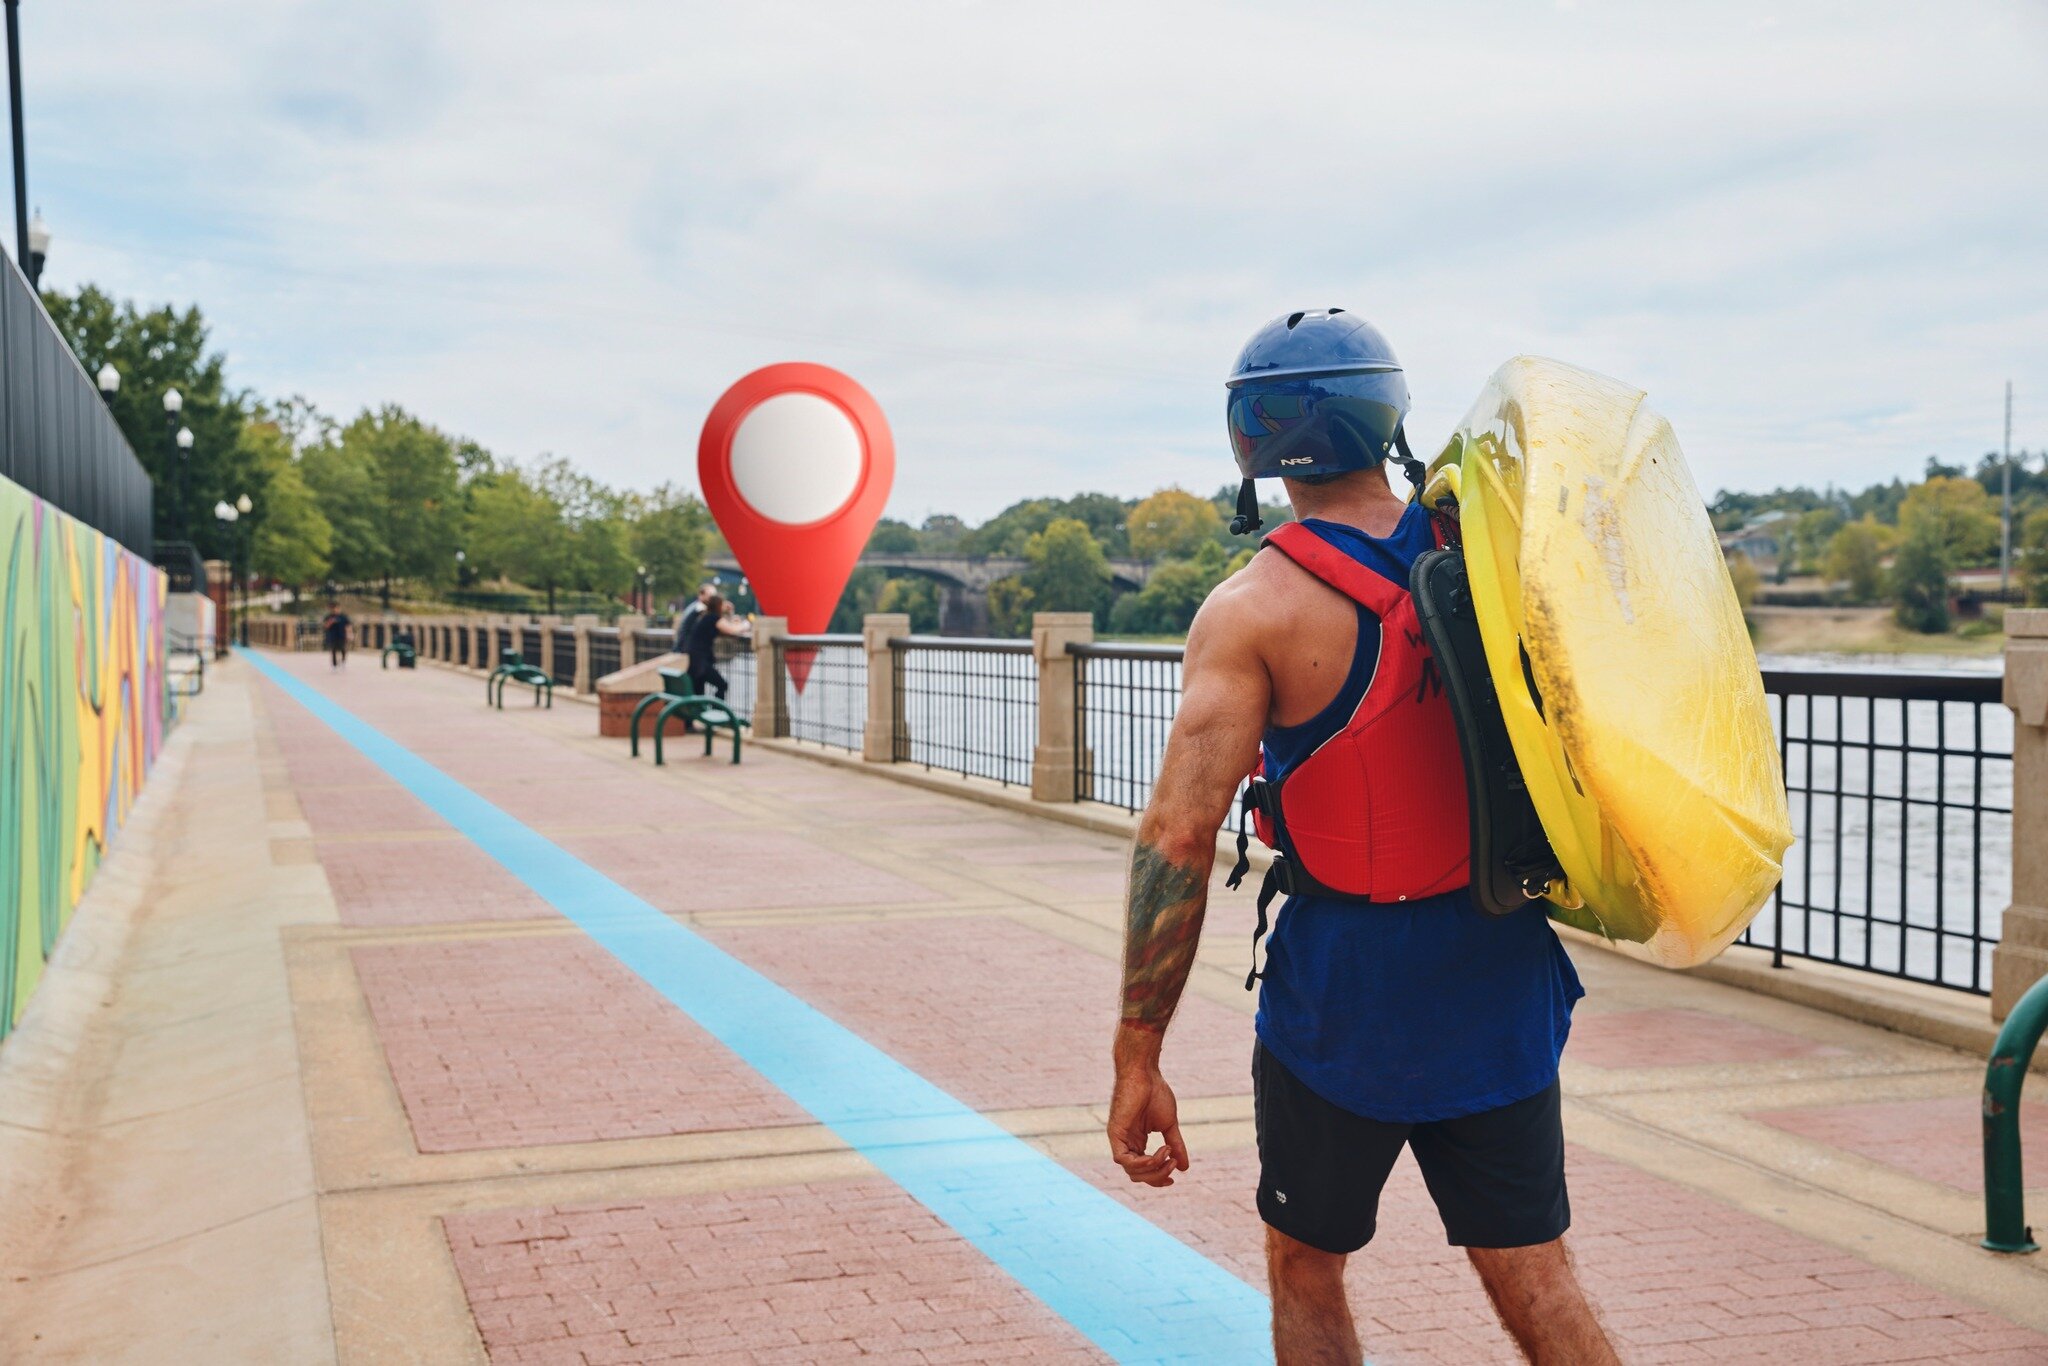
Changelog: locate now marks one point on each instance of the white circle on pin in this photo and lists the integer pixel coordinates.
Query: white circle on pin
(796, 458)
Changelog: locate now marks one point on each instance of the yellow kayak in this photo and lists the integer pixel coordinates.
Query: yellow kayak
(1625, 674)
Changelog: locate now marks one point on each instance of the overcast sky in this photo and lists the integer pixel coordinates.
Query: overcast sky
(1817, 234)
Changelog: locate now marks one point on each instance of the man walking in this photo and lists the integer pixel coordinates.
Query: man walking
(1394, 1011)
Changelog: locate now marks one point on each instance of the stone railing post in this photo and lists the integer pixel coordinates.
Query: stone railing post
(1053, 777)
(2021, 958)
(630, 626)
(771, 691)
(582, 622)
(878, 738)
(547, 643)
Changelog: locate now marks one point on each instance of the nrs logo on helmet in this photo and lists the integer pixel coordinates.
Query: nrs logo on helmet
(1314, 393)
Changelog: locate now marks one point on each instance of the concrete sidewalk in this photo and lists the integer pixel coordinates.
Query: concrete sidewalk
(358, 1093)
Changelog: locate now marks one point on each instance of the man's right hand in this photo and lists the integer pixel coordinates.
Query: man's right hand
(1142, 1105)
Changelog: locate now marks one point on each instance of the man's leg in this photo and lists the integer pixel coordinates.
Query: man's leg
(1541, 1304)
(1311, 1320)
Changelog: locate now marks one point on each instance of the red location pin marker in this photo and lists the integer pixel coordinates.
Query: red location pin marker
(796, 462)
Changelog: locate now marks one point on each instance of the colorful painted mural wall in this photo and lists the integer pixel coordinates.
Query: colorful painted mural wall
(81, 719)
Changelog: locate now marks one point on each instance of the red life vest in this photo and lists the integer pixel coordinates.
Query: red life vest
(1377, 812)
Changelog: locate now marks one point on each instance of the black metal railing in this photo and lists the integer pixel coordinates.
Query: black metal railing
(825, 688)
(739, 670)
(1124, 699)
(529, 645)
(966, 706)
(463, 636)
(182, 566)
(57, 439)
(564, 658)
(648, 644)
(1900, 787)
(604, 652)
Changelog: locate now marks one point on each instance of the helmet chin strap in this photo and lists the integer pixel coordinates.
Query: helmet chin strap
(1410, 466)
(1247, 519)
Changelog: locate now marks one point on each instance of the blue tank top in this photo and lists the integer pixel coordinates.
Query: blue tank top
(1420, 1010)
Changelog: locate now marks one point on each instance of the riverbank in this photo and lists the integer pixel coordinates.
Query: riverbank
(1871, 631)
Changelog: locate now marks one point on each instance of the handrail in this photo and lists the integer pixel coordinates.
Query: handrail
(973, 645)
(2005, 1193)
(1125, 649)
(1912, 687)
(820, 639)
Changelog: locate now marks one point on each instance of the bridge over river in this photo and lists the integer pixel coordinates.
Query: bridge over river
(964, 581)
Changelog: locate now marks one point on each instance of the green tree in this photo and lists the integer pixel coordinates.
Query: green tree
(1172, 524)
(1009, 606)
(861, 595)
(671, 535)
(916, 597)
(417, 480)
(1956, 515)
(345, 484)
(517, 532)
(1173, 593)
(156, 350)
(1810, 537)
(1068, 572)
(892, 537)
(1855, 558)
(1920, 580)
(2033, 557)
(290, 538)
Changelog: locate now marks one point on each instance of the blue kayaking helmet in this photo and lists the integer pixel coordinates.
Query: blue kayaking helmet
(1313, 393)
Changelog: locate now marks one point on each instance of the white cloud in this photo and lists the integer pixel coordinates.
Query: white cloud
(1038, 235)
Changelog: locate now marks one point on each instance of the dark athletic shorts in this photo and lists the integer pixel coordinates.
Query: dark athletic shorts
(1497, 1177)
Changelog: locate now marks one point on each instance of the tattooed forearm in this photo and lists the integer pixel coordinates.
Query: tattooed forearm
(1164, 920)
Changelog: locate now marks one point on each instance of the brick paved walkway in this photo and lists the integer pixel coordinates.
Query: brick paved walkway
(540, 1158)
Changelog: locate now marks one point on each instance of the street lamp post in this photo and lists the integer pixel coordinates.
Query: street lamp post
(21, 249)
(245, 505)
(38, 248)
(180, 440)
(226, 513)
(641, 587)
(109, 380)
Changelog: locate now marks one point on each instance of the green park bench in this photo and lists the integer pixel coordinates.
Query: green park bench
(408, 655)
(513, 668)
(679, 697)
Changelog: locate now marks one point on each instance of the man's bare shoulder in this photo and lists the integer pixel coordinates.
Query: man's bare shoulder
(1252, 605)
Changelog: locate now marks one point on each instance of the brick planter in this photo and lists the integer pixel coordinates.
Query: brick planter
(615, 716)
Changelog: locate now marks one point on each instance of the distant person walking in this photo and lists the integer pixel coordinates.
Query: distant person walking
(334, 634)
(691, 614)
(716, 619)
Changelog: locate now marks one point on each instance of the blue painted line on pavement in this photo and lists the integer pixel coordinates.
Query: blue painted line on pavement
(1135, 1291)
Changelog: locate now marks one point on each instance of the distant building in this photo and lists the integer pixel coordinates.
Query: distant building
(1760, 540)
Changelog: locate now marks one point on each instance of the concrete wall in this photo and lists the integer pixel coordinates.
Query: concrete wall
(81, 719)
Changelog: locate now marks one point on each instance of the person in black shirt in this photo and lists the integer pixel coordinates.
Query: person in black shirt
(717, 619)
(334, 633)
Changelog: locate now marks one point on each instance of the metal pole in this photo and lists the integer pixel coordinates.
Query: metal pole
(2005, 541)
(20, 158)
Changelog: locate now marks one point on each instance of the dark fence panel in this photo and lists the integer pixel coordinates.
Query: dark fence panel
(827, 693)
(1901, 793)
(564, 671)
(1900, 787)
(966, 706)
(739, 670)
(57, 439)
(529, 645)
(604, 652)
(1124, 700)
